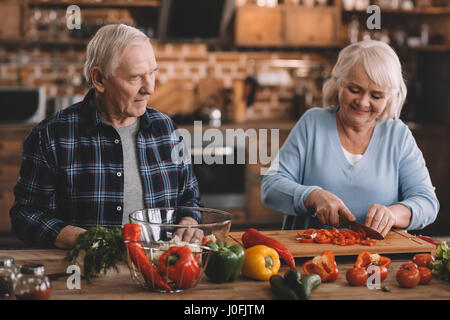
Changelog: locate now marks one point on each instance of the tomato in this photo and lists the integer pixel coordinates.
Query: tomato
(409, 265)
(425, 275)
(382, 269)
(408, 276)
(357, 276)
(423, 259)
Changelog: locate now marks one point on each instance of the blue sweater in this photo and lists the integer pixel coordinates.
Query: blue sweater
(391, 171)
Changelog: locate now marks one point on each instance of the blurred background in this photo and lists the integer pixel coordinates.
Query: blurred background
(232, 64)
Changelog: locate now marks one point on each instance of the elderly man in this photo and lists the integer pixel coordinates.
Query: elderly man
(98, 160)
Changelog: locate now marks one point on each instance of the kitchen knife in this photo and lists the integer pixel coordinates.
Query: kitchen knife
(355, 226)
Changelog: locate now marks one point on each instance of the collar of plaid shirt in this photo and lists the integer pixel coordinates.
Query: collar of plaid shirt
(92, 119)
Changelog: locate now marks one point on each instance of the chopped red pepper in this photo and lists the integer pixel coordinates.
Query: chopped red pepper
(342, 238)
(131, 235)
(367, 242)
(179, 265)
(324, 265)
(306, 240)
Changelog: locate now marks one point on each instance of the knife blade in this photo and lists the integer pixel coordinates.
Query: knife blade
(355, 226)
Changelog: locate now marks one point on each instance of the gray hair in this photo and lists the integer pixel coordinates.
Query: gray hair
(381, 64)
(107, 45)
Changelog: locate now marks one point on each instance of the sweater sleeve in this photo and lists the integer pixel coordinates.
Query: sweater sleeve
(281, 187)
(415, 188)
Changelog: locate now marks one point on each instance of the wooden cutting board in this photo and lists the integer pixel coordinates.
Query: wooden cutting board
(396, 241)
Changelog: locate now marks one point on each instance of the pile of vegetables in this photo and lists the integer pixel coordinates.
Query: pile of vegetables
(177, 267)
(441, 266)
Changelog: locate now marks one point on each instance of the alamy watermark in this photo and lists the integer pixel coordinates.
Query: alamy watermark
(73, 17)
(229, 146)
(74, 280)
(374, 21)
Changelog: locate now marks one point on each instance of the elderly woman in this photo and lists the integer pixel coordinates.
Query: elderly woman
(354, 158)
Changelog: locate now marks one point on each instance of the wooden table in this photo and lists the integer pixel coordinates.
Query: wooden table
(120, 286)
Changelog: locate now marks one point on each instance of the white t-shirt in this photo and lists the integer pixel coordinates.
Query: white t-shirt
(351, 157)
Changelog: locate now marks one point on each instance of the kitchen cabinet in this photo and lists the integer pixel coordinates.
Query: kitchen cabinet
(312, 26)
(259, 26)
(287, 26)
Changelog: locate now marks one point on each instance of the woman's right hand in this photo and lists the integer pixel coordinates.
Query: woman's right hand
(328, 207)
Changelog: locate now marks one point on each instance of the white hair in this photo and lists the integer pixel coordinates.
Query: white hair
(109, 42)
(381, 64)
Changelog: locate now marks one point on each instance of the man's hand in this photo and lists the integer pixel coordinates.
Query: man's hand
(189, 234)
(328, 207)
(68, 236)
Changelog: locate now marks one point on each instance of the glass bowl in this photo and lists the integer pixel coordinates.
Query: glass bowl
(177, 252)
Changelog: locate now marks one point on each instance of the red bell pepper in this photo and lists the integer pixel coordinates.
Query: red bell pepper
(179, 265)
(430, 240)
(253, 237)
(324, 265)
(131, 235)
(365, 259)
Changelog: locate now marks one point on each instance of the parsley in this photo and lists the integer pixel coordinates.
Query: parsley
(385, 289)
(102, 248)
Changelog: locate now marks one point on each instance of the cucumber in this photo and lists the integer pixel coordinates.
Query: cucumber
(281, 289)
(293, 278)
(292, 275)
(308, 283)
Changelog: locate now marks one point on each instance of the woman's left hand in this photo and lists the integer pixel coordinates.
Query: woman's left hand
(380, 218)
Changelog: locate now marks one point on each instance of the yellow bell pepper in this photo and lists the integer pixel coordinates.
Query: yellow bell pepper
(260, 262)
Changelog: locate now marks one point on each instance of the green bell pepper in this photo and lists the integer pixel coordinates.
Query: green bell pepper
(225, 262)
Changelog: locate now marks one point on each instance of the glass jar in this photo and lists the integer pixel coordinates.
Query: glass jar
(8, 276)
(33, 284)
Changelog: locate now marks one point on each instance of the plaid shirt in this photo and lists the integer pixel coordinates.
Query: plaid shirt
(72, 173)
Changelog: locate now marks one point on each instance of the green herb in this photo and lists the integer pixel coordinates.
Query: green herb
(103, 249)
(441, 266)
(385, 288)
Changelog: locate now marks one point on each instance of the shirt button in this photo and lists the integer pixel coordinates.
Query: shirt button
(119, 174)
(116, 141)
(119, 208)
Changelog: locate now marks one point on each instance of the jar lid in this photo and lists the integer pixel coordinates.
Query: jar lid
(36, 269)
(6, 261)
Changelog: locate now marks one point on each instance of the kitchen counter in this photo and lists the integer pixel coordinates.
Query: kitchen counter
(120, 286)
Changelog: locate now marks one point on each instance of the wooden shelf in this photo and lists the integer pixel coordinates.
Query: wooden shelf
(430, 47)
(424, 11)
(84, 3)
(26, 41)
